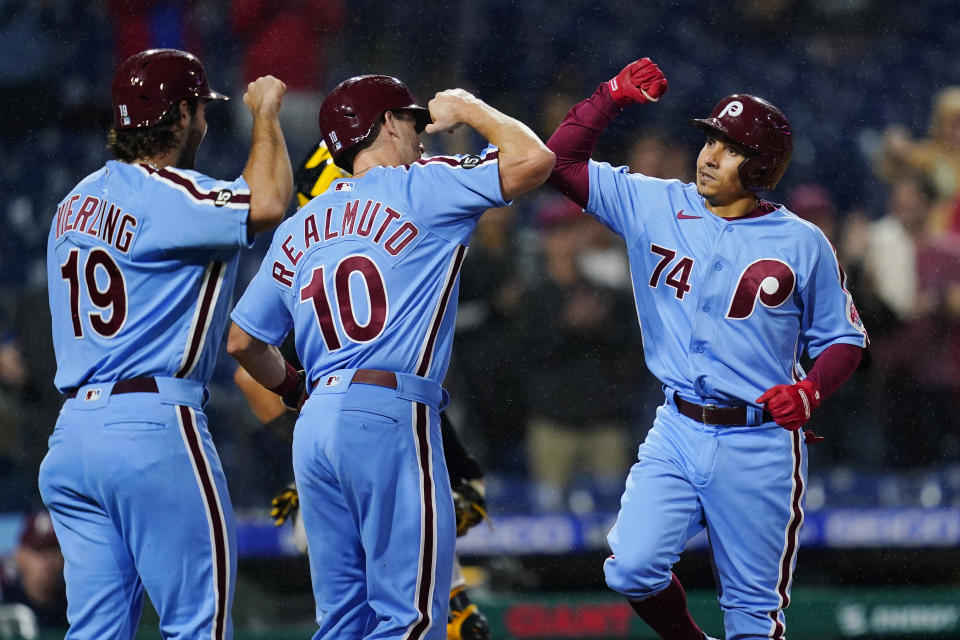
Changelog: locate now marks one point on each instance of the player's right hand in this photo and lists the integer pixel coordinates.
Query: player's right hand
(640, 81)
(265, 95)
(448, 110)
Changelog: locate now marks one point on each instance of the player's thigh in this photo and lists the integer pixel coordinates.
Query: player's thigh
(659, 512)
(171, 500)
(754, 511)
(104, 593)
(337, 561)
(394, 478)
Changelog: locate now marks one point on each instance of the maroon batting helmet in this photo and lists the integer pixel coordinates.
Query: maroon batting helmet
(760, 127)
(148, 83)
(354, 107)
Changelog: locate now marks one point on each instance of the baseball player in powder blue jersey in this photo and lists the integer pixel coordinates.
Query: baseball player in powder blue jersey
(730, 291)
(141, 261)
(367, 273)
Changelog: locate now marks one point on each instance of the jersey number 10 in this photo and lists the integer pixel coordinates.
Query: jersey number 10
(315, 291)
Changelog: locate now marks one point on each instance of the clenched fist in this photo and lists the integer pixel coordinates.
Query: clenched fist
(640, 81)
(264, 95)
(448, 109)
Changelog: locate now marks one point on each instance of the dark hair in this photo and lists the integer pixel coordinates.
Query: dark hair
(345, 161)
(128, 145)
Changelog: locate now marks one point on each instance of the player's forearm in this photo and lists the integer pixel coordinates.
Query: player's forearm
(525, 162)
(265, 404)
(268, 174)
(262, 361)
(834, 367)
(574, 140)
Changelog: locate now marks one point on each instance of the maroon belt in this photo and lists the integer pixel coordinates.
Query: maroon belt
(375, 377)
(712, 414)
(133, 385)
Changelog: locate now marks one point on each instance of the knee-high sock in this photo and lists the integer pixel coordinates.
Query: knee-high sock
(667, 613)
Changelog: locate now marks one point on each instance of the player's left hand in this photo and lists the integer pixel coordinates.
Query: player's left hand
(469, 504)
(791, 404)
(285, 504)
(640, 81)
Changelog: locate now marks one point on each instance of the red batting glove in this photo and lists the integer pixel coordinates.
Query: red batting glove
(640, 81)
(791, 404)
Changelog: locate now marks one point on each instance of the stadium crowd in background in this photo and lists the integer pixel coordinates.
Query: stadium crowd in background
(879, 176)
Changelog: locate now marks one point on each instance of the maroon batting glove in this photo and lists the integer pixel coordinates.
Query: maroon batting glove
(791, 404)
(640, 81)
(293, 389)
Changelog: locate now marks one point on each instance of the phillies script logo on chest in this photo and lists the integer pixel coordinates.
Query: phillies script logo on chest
(768, 280)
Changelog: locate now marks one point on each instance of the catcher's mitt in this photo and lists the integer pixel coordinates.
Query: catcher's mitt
(469, 504)
(285, 504)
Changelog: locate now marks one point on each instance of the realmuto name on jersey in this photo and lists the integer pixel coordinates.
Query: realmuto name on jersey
(374, 221)
(98, 218)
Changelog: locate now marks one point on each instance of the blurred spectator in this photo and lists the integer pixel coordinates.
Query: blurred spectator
(922, 364)
(580, 346)
(655, 155)
(485, 370)
(813, 203)
(891, 258)
(937, 156)
(13, 374)
(287, 39)
(153, 24)
(33, 574)
(603, 258)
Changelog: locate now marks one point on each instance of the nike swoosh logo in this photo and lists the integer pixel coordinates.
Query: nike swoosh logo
(682, 216)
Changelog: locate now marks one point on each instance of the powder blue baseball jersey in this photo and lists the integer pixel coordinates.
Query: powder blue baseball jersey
(727, 306)
(140, 267)
(141, 263)
(368, 272)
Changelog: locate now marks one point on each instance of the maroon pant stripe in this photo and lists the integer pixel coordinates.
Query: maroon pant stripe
(218, 528)
(793, 531)
(427, 568)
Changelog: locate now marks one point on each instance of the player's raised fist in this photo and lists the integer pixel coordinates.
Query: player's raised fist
(265, 94)
(791, 404)
(449, 110)
(640, 81)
